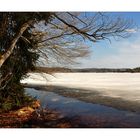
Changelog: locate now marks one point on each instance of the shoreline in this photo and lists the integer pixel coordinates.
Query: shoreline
(90, 96)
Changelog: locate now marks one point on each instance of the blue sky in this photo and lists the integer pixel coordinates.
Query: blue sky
(124, 53)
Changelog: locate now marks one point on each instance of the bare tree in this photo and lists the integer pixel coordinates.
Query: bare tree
(63, 36)
(63, 39)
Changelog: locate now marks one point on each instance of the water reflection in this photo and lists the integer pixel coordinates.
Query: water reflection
(87, 113)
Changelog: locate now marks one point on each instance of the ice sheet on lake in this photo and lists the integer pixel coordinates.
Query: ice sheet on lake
(117, 85)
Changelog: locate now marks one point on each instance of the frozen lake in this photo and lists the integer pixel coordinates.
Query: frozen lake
(94, 99)
(116, 85)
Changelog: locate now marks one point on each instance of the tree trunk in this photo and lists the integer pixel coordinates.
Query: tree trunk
(9, 51)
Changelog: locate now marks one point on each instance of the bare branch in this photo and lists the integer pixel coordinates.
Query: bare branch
(77, 30)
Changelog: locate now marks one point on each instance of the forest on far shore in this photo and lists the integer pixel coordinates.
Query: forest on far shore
(97, 70)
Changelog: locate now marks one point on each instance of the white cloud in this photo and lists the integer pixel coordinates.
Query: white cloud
(127, 55)
(131, 30)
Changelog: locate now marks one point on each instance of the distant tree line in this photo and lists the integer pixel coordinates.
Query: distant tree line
(97, 70)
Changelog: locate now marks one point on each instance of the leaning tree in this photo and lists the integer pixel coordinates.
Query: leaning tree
(47, 37)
